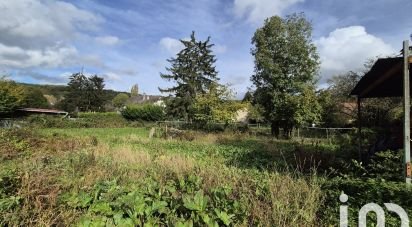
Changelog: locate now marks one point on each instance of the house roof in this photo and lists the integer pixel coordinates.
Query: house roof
(384, 79)
(37, 110)
(144, 98)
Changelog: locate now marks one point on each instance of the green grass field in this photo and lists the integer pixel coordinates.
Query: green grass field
(106, 177)
(121, 177)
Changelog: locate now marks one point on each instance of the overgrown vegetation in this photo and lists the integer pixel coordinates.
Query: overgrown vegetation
(14, 96)
(82, 120)
(121, 177)
(79, 178)
(105, 169)
(144, 112)
(217, 105)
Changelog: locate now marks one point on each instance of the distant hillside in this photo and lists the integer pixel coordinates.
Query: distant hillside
(59, 91)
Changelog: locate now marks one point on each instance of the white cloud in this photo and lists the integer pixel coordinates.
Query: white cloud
(348, 48)
(257, 10)
(37, 33)
(30, 23)
(43, 77)
(108, 40)
(172, 45)
(17, 57)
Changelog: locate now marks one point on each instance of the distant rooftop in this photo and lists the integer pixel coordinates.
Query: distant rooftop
(143, 98)
(46, 111)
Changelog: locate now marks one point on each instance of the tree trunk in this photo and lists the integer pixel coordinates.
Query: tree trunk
(274, 127)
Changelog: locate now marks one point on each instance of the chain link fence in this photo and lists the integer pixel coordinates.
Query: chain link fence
(329, 134)
(10, 123)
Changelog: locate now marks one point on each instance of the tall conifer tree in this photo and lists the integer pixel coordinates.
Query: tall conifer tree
(193, 72)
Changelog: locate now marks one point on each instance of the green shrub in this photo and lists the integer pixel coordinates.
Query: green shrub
(383, 165)
(103, 120)
(14, 143)
(10, 183)
(387, 165)
(144, 112)
(154, 204)
(84, 120)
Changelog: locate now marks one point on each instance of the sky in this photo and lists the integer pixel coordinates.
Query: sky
(129, 41)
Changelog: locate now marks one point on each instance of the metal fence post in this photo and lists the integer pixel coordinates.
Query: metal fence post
(407, 109)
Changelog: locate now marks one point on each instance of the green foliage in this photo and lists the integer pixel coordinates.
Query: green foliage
(144, 112)
(84, 93)
(57, 93)
(341, 85)
(194, 72)
(120, 100)
(255, 113)
(13, 143)
(177, 203)
(286, 63)
(162, 189)
(9, 203)
(9, 183)
(339, 109)
(134, 91)
(223, 179)
(386, 165)
(8, 102)
(35, 98)
(12, 96)
(383, 165)
(84, 120)
(248, 97)
(332, 114)
(195, 203)
(216, 105)
(306, 107)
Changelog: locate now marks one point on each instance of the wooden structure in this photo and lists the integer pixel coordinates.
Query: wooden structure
(389, 77)
(42, 111)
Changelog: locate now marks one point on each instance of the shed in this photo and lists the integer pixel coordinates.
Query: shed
(43, 111)
(389, 77)
(384, 79)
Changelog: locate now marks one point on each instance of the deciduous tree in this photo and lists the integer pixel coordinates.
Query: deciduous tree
(286, 66)
(12, 96)
(120, 100)
(216, 105)
(34, 98)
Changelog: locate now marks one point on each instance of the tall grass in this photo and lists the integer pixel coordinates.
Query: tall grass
(55, 163)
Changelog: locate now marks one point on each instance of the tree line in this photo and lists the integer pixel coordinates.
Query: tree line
(284, 92)
(82, 93)
(286, 64)
(14, 96)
